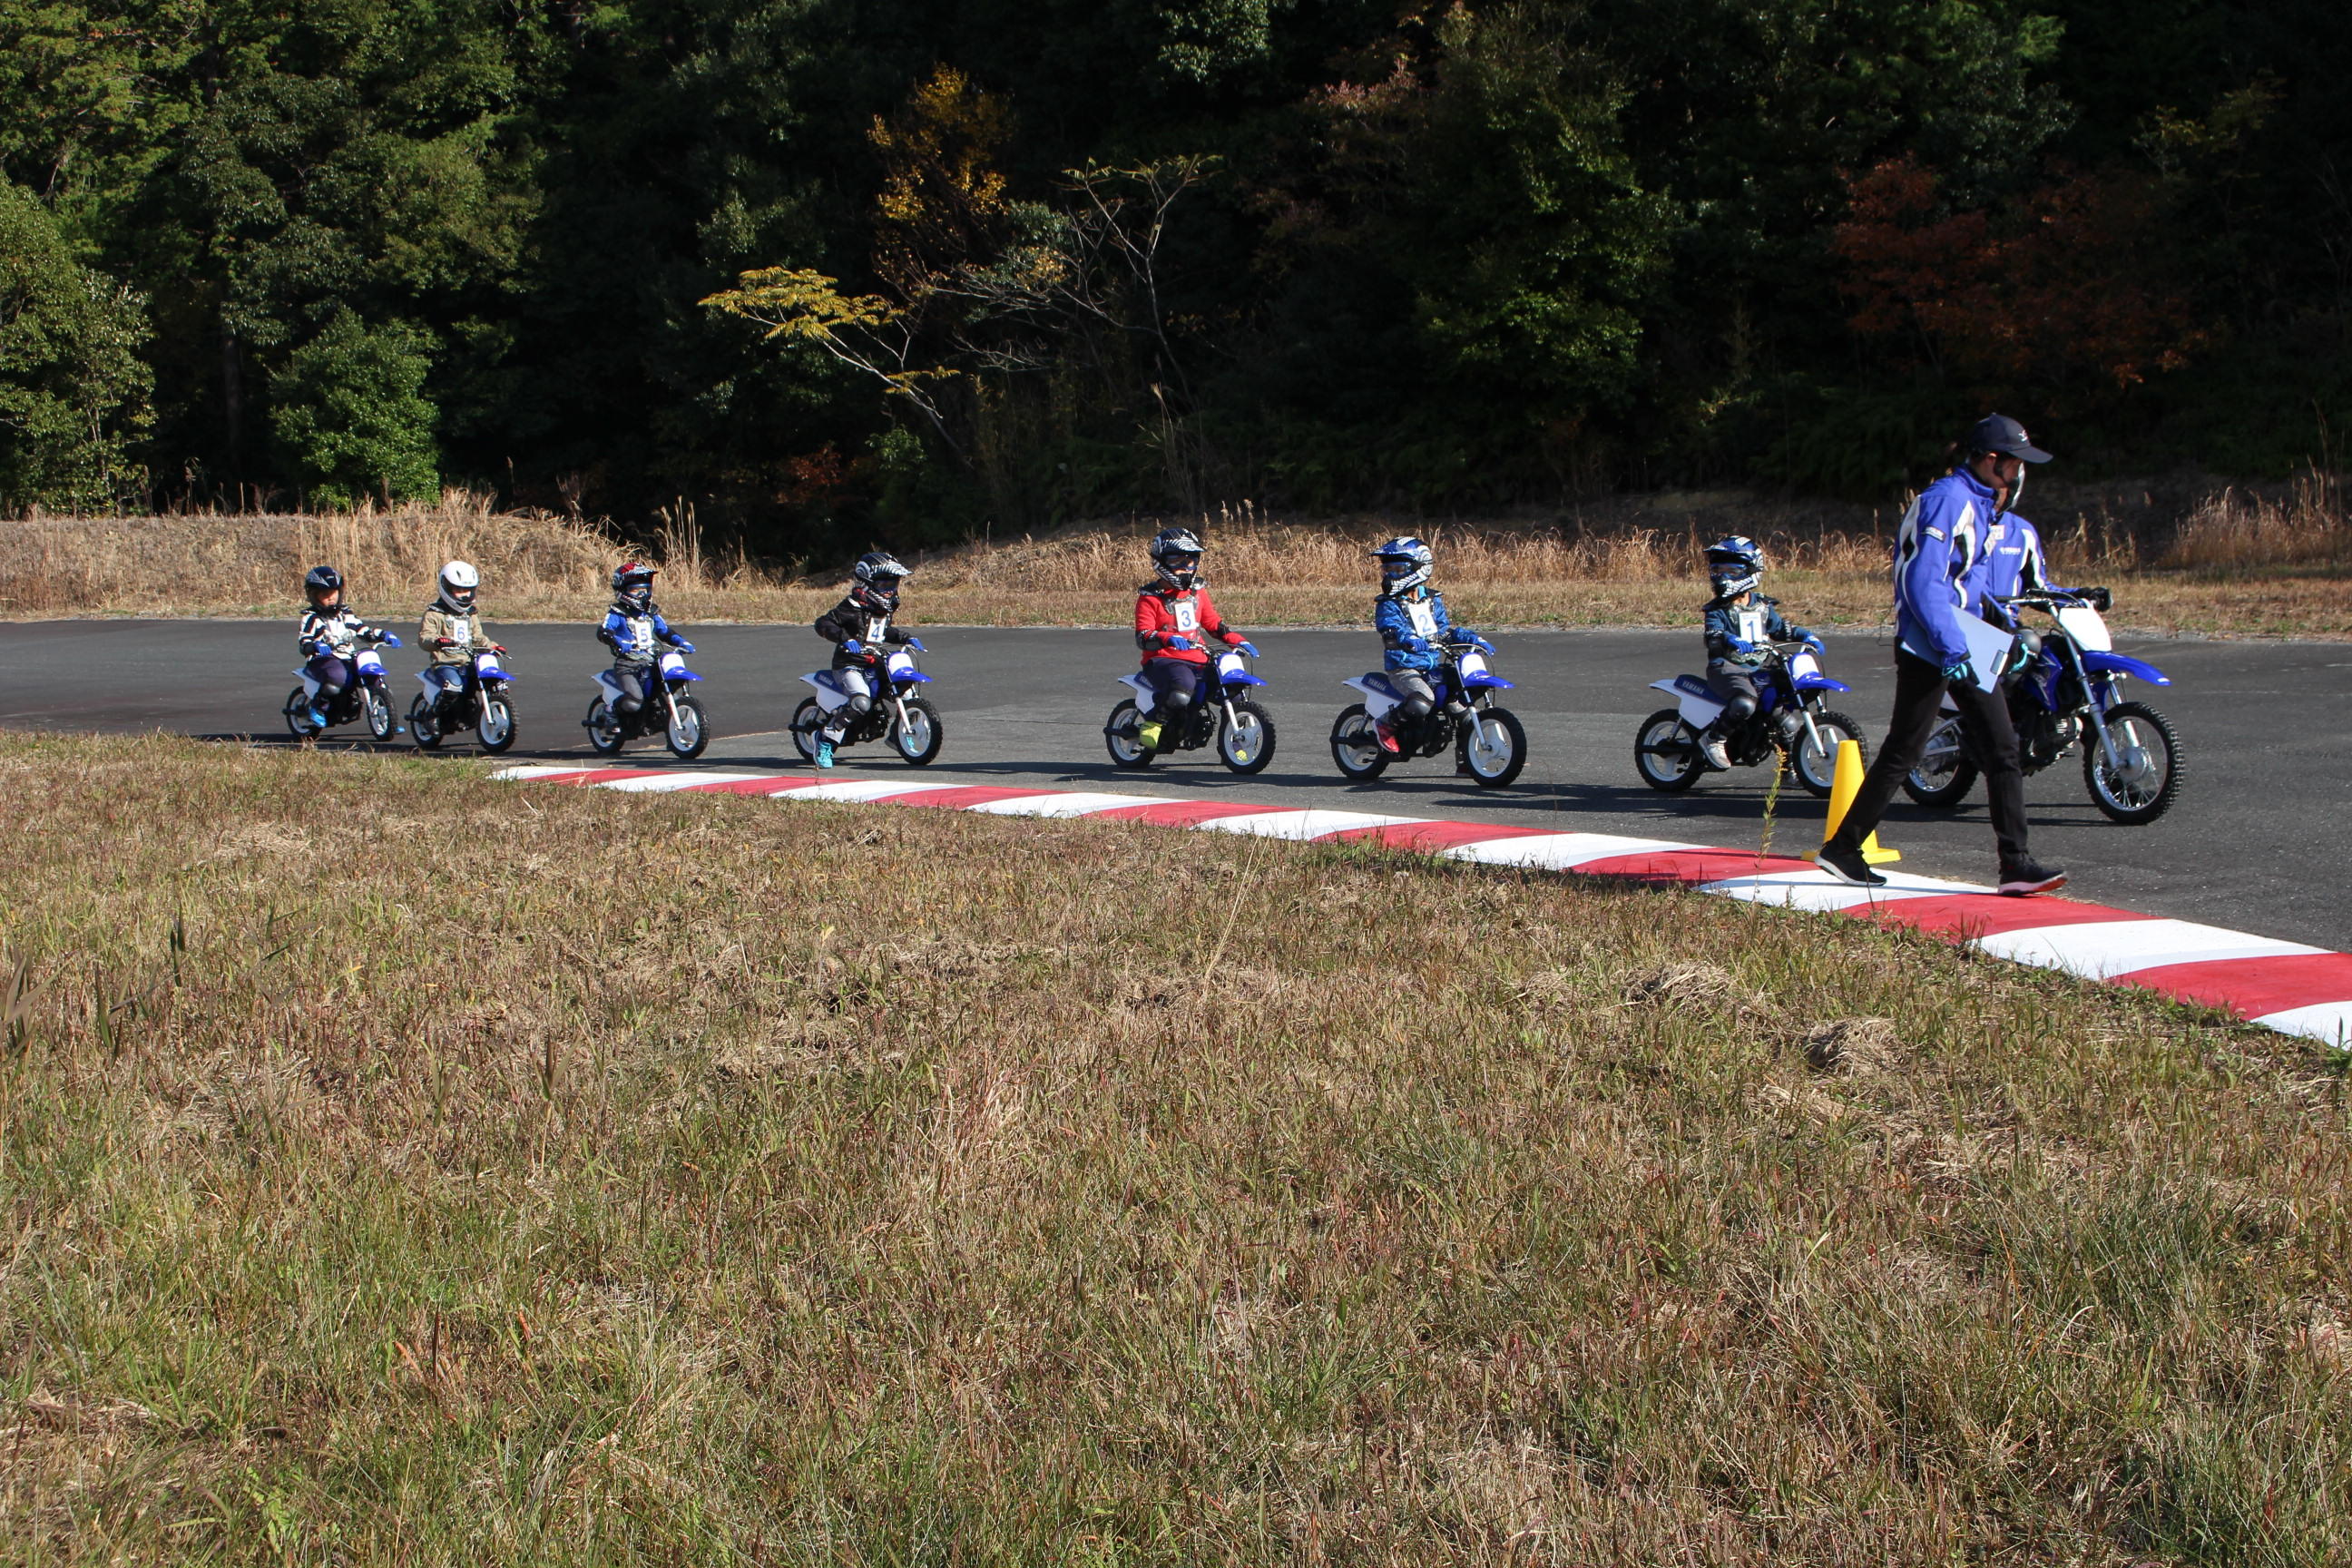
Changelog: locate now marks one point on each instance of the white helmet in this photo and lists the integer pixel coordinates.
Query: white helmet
(458, 581)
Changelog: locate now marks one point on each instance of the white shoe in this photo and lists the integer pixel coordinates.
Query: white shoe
(1718, 757)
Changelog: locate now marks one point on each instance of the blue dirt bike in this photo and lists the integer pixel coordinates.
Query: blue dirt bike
(1792, 718)
(1241, 729)
(1488, 742)
(2069, 694)
(614, 721)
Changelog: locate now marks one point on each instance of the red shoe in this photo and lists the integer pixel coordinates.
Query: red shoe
(1386, 738)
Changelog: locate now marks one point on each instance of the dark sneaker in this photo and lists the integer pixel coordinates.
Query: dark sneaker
(2030, 877)
(1848, 866)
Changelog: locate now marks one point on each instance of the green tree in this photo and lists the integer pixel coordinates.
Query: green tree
(351, 417)
(73, 390)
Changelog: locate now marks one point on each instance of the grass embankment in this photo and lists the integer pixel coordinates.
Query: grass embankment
(402, 1167)
(2226, 563)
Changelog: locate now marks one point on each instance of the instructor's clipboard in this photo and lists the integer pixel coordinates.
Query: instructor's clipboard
(1989, 648)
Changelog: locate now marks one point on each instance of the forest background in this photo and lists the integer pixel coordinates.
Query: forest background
(834, 270)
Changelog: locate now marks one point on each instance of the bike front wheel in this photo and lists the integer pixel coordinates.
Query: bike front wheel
(1494, 746)
(690, 729)
(376, 709)
(496, 727)
(2144, 780)
(1816, 765)
(918, 740)
(1246, 743)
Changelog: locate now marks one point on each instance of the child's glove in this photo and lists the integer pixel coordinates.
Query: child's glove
(1414, 643)
(917, 643)
(1179, 644)
(1742, 645)
(2099, 599)
(1247, 646)
(388, 639)
(681, 645)
(851, 644)
(1815, 643)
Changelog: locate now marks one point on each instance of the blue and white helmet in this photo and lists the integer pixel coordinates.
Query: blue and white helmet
(1405, 564)
(1734, 565)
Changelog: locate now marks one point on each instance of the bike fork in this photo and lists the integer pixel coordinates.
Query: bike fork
(2098, 710)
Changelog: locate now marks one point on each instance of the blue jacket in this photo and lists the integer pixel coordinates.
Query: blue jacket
(1393, 620)
(1935, 554)
(1723, 630)
(2011, 564)
(635, 636)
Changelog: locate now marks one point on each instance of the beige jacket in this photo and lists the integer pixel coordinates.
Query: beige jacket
(467, 631)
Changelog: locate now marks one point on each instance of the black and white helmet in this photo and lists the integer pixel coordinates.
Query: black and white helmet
(458, 581)
(875, 577)
(1176, 553)
(1405, 564)
(322, 581)
(1734, 565)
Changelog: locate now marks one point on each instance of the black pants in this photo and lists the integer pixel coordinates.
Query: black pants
(1176, 687)
(1919, 688)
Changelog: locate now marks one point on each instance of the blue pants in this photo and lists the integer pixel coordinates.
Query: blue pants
(1176, 686)
(333, 674)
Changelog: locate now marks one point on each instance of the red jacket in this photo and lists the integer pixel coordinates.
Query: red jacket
(1161, 612)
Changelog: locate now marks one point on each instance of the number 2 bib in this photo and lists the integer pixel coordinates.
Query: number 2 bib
(1425, 619)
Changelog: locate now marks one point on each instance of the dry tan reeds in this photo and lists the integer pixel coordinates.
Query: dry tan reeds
(2236, 532)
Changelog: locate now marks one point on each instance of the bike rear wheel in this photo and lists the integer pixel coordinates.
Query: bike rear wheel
(605, 737)
(1356, 745)
(1816, 766)
(297, 715)
(918, 740)
(1494, 746)
(1666, 753)
(2145, 777)
(807, 719)
(690, 729)
(420, 728)
(1119, 738)
(1246, 744)
(1945, 774)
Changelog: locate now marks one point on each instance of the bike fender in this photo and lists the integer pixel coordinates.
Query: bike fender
(2120, 664)
(829, 695)
(677, 675)
(1379, 697)
(1699, 704)
(1492, 682)
(1244, 678)
(908, 677)
(1144, 695)
(1820, 683)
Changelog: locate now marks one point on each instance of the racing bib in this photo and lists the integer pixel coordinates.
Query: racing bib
(1188, 615)
(1751, 625)
(877, 630)
(1423, 618)
(459, 628)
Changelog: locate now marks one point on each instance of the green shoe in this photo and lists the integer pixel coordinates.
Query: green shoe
(1147, 734)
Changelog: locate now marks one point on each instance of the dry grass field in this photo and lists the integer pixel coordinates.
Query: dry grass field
(401, 1167)
(2223, 562)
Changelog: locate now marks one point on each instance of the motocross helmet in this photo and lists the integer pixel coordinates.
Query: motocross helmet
(321, 583)
(1734, 565)
(458, 581)
(1405, 564)
(1176, 552)
(632, 586)
(875, 581)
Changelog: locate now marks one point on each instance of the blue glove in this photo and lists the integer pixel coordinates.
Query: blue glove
(917, 643)
(1463, 634)
(1815, 643)
(390, 639)
(1412, 644)
(1247, 646)
(852, 645)
(681, 645)
(1960, 673)
(1742, 645)
(1178, 645)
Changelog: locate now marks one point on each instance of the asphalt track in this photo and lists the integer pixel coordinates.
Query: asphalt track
(2260, 839)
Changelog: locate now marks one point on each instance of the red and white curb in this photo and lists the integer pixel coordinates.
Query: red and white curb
(2282, 986)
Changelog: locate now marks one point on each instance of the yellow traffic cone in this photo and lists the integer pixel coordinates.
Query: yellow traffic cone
(1843, 786)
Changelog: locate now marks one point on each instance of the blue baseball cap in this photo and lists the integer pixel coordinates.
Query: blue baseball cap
(1999, 433)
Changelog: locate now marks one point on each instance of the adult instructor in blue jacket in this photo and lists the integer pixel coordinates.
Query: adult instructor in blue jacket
(1937, 555)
